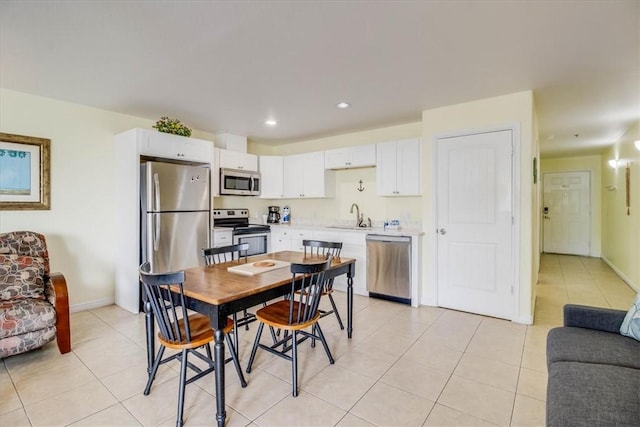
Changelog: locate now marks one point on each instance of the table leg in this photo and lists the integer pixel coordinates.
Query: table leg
(151, 342)
(349, 305)
(221, 413)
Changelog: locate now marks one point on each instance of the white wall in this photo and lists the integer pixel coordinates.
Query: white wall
(80, 226)
(583, 163)
(514, 109)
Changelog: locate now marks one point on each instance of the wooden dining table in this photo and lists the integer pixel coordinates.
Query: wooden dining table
(218, 293)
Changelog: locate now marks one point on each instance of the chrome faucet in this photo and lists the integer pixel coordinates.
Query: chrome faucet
(358, 217)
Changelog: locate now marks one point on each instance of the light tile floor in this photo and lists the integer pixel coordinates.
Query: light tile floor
(404, 366)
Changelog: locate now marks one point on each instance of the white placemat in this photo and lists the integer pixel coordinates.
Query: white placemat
(253, 268)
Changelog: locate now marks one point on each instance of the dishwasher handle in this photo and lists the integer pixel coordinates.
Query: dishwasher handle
(389, 239)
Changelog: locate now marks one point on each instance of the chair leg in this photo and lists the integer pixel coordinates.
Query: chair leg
(324, 343)
(234, 359)
(294, 363)
(246, 326)
(183, 379)
(335, 310)
(255, 347)
(235, 329)
(154, 369)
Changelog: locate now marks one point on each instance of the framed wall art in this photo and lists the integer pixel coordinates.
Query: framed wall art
(24, 172)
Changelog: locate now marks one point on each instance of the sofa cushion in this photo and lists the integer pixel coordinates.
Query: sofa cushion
(25, 315)
(631, 324)
(21, 277)
(588, 394)
(591, 346)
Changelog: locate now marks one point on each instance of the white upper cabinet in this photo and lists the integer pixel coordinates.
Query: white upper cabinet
(350, 157)
(167, 146)
(398, 168)
(305, 176)
(272, 176)
(238, 160)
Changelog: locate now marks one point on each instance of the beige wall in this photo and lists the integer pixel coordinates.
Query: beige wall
(504, 111)
(593, 164)
(80, 225)
(621, 232)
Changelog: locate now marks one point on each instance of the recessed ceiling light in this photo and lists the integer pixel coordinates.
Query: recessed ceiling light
(270, 122)
(343, 105)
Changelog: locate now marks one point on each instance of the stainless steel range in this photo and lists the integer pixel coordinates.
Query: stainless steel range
(258, 236)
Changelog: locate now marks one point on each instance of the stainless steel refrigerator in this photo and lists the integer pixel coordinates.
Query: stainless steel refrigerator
(175, 216)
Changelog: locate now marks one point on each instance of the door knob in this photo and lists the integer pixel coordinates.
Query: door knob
(442, 231)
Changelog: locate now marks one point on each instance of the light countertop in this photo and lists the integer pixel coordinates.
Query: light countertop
(349, 229)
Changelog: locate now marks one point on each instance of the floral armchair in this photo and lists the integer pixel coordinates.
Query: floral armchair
(34, 304)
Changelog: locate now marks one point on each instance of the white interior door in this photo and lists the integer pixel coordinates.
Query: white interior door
(567, 213)
(475, 223)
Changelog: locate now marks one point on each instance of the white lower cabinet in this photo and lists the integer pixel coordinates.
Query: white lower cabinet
(222, 237)
(297, 236)
(280, 239)
(353, 246)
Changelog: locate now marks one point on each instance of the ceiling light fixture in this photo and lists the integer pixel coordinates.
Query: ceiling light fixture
(637, 144)
(343, 105)
(271, 122)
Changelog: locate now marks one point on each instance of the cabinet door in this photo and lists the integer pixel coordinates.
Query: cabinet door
(350, 157)
(313, 173)
(237, 160)
(297, 236)
(293, 172)
(362, 155)
(168, 146)
(280, 240)
(272, 175)
(339, 158)
(222, 238)
(386, 167)
(408, 167)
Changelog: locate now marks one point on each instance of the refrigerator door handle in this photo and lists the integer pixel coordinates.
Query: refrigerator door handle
(156, 231)
(156, 192)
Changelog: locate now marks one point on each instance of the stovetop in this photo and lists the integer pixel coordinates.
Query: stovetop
(238, 219)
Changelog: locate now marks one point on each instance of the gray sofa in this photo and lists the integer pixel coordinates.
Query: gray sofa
(594, 372)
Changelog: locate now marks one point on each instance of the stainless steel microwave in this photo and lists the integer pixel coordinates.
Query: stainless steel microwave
(238, 182)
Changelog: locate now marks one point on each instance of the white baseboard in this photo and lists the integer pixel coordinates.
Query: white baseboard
(627, 280)
(525, 320)
(90, 305)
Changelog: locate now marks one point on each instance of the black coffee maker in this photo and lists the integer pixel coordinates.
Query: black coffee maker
(274, 215)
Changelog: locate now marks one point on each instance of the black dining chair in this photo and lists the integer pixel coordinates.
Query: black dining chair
(325, 249)
(297, 315)
(179, 330)
(224, 254)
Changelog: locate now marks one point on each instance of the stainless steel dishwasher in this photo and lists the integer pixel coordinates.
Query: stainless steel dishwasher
(389, 267)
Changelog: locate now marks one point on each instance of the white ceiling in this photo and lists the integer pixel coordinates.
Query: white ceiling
(228, 66)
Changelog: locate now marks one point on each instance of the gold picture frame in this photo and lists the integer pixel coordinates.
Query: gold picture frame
(25, 171)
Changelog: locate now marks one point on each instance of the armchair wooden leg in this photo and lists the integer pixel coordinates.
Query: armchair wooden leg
(63, 325)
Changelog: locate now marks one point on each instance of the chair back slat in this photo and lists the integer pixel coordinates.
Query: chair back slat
(307, 284)
(322, 248)
(225, 254)
(168, 306)
(325, 249)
